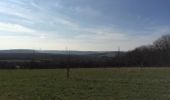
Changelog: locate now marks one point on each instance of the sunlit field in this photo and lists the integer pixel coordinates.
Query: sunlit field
(86, 84)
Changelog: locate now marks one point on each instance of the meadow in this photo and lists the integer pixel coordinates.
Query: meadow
(86, 84)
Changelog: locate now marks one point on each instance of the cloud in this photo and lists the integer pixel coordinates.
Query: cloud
(35, 4)
(16, 30)
(66, 22)
(100, 34)
(87, 11)
(36, 13)
(8, 27)
(18, 10)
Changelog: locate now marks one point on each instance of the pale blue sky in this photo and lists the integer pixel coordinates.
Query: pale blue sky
(82, 24)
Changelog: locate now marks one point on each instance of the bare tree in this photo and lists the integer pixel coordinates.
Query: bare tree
(163, 43)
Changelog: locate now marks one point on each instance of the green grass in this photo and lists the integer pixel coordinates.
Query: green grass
(86, 84)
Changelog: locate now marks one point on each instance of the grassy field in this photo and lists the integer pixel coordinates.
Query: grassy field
(86, 84)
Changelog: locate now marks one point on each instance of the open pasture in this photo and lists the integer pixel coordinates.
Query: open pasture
(86, 84)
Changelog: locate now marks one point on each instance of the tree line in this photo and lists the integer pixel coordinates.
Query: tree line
(155, 55)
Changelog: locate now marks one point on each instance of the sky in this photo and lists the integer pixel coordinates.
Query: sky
(86, 25)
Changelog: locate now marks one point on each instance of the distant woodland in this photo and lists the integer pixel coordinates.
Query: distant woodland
(155, 55)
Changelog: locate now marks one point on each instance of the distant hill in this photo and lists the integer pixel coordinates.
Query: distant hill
(27, 58)
(61, 52)
(66, 52)
(18, 51)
